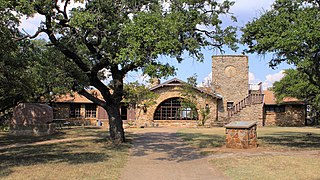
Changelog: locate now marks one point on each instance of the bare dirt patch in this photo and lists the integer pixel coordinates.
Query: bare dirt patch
(159, 153)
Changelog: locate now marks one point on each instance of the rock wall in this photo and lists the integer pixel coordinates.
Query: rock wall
(294, 115)
(253, 112)
(241, 138)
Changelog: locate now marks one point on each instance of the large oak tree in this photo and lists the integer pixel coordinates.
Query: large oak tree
(124, 36)
(290, 31)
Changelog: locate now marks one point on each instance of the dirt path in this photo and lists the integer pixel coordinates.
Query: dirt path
(160, 154)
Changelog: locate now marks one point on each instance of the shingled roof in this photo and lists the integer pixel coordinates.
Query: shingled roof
(178, 82)
(76, 97)
(270, 99)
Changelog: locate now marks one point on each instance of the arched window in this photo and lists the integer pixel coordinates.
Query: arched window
(172, 109)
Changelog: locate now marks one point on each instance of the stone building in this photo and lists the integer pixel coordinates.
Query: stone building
(230, 98)
(77, 110)
(288, 112)
(169, 110)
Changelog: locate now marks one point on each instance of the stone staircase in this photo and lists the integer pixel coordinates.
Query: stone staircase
(248, 109)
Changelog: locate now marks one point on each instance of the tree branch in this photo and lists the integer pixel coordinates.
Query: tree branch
(68, 53)
(40, 30)
(64, 11)
(92, 98)
(127, 68)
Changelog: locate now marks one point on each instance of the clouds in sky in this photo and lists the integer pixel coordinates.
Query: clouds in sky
(271, 78)
(31, 25)
(247, 6)
(251, 78)
(206, 82)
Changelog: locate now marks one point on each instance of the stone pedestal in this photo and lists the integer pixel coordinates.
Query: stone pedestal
(241, 134)
(32, 119)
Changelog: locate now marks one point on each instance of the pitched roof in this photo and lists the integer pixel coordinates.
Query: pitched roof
(75, 97)
(178, 82)
(269, 99)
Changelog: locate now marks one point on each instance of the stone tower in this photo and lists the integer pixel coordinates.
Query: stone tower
(230, 79)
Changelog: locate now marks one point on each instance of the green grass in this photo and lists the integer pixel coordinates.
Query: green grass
(203, 138)
(284, 138)
(270, 167)
(289, 138)
(93, 158)
(283, 153)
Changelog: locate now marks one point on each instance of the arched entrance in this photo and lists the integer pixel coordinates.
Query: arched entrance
(172, 109)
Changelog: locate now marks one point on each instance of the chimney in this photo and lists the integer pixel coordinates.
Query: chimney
(155, 82)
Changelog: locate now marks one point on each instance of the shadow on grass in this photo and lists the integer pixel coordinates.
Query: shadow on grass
(7, 139)
(301, 140)
(74, 152)
(203, 140)
(173, 146)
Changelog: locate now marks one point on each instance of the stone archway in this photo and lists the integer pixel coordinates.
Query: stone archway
(172, 109)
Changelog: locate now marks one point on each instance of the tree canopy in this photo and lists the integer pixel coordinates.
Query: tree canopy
(289, 30)
(124, 36)
(297, 84)
(29, 70)
(32, 72)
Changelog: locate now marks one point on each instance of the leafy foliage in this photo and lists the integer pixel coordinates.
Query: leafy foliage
(296, 84)
(135, 94)
(32, 73)
(290, 32)
(124, 36)
(191, 99)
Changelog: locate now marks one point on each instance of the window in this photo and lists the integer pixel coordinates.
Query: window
(276, 109)
(229, 105)
(91, 110)
(124, 113)
(171, 109)
(75, 110)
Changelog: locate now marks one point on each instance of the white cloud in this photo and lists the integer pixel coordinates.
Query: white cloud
(206, 82)
(271, 78)
(251, 78)
(30, 25)
(137, 76)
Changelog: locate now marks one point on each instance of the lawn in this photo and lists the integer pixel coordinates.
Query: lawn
(283, 153)
(79, 158)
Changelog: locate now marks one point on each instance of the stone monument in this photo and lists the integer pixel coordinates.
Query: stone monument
(241, 134)
(32, 119)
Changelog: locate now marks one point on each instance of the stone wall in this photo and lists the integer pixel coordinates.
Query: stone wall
(167, 92)
(241, 138)
(61, 111)
(230, 79)
(252, 112)
(294, 115)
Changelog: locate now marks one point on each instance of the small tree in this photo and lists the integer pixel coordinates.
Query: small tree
(138, 95)
(191, 99)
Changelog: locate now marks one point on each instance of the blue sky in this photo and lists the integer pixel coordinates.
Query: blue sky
(245, 11)
(259, 71)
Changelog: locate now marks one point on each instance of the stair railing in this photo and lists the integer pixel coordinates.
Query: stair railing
(247, 101)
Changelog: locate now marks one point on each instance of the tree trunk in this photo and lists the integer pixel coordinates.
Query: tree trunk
(115, 124)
